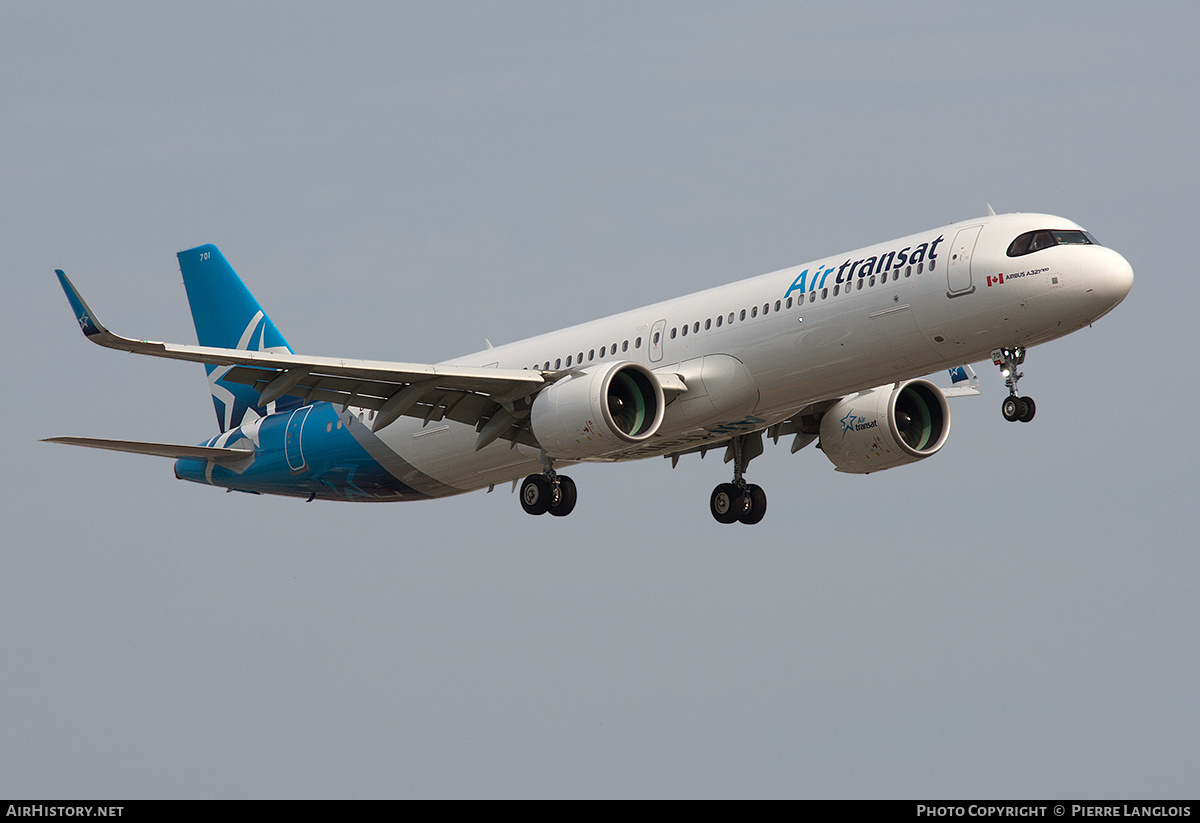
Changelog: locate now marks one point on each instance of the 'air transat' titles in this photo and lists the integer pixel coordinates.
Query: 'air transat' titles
(909, 255)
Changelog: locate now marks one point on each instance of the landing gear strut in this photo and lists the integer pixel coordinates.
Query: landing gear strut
(1014, 407)
(548, 492)
(739, 500)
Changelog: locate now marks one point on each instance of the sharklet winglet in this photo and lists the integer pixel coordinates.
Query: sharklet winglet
(84, 315)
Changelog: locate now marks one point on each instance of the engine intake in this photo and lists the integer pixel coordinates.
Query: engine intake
(598, 411)
(886, 427)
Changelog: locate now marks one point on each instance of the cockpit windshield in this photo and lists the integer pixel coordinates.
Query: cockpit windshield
(1032, 241)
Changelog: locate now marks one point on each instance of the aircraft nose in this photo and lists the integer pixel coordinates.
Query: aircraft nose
(1110, 281)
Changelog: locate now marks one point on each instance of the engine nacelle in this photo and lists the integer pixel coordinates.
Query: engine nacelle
(885, 427)
(598, 411)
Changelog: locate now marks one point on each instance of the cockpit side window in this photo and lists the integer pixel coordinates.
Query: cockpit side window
(1032, 241)
(1021, 245)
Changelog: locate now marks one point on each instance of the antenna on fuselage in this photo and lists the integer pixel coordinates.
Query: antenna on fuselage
(991, 211)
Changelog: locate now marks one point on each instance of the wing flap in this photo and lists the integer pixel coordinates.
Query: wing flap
(433, 402)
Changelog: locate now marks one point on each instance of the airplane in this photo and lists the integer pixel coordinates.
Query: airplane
(832, 351)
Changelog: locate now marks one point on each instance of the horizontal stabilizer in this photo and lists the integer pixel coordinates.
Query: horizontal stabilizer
(223, 456)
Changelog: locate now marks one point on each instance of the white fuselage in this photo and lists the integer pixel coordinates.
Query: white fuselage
(756, 352)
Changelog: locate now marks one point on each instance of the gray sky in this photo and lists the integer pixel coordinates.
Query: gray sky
(1014, 617)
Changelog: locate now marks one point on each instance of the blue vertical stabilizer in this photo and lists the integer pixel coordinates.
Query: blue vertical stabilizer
(228, 317)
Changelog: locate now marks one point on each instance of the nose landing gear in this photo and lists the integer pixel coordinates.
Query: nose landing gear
(1014, 407)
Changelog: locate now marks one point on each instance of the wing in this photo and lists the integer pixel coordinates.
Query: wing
(495, 401)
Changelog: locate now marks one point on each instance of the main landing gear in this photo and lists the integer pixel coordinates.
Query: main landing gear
(548, 492)
(740, 501)
(1013, 408)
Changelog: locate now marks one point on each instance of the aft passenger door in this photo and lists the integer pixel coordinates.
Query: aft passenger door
(292, 447)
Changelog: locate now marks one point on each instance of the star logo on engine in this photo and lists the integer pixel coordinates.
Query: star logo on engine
(848, 423)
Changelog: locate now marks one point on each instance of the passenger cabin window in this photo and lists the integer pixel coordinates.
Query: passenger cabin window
(1032, 241)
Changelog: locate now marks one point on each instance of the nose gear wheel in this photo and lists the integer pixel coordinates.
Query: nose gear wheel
(1014, 408)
